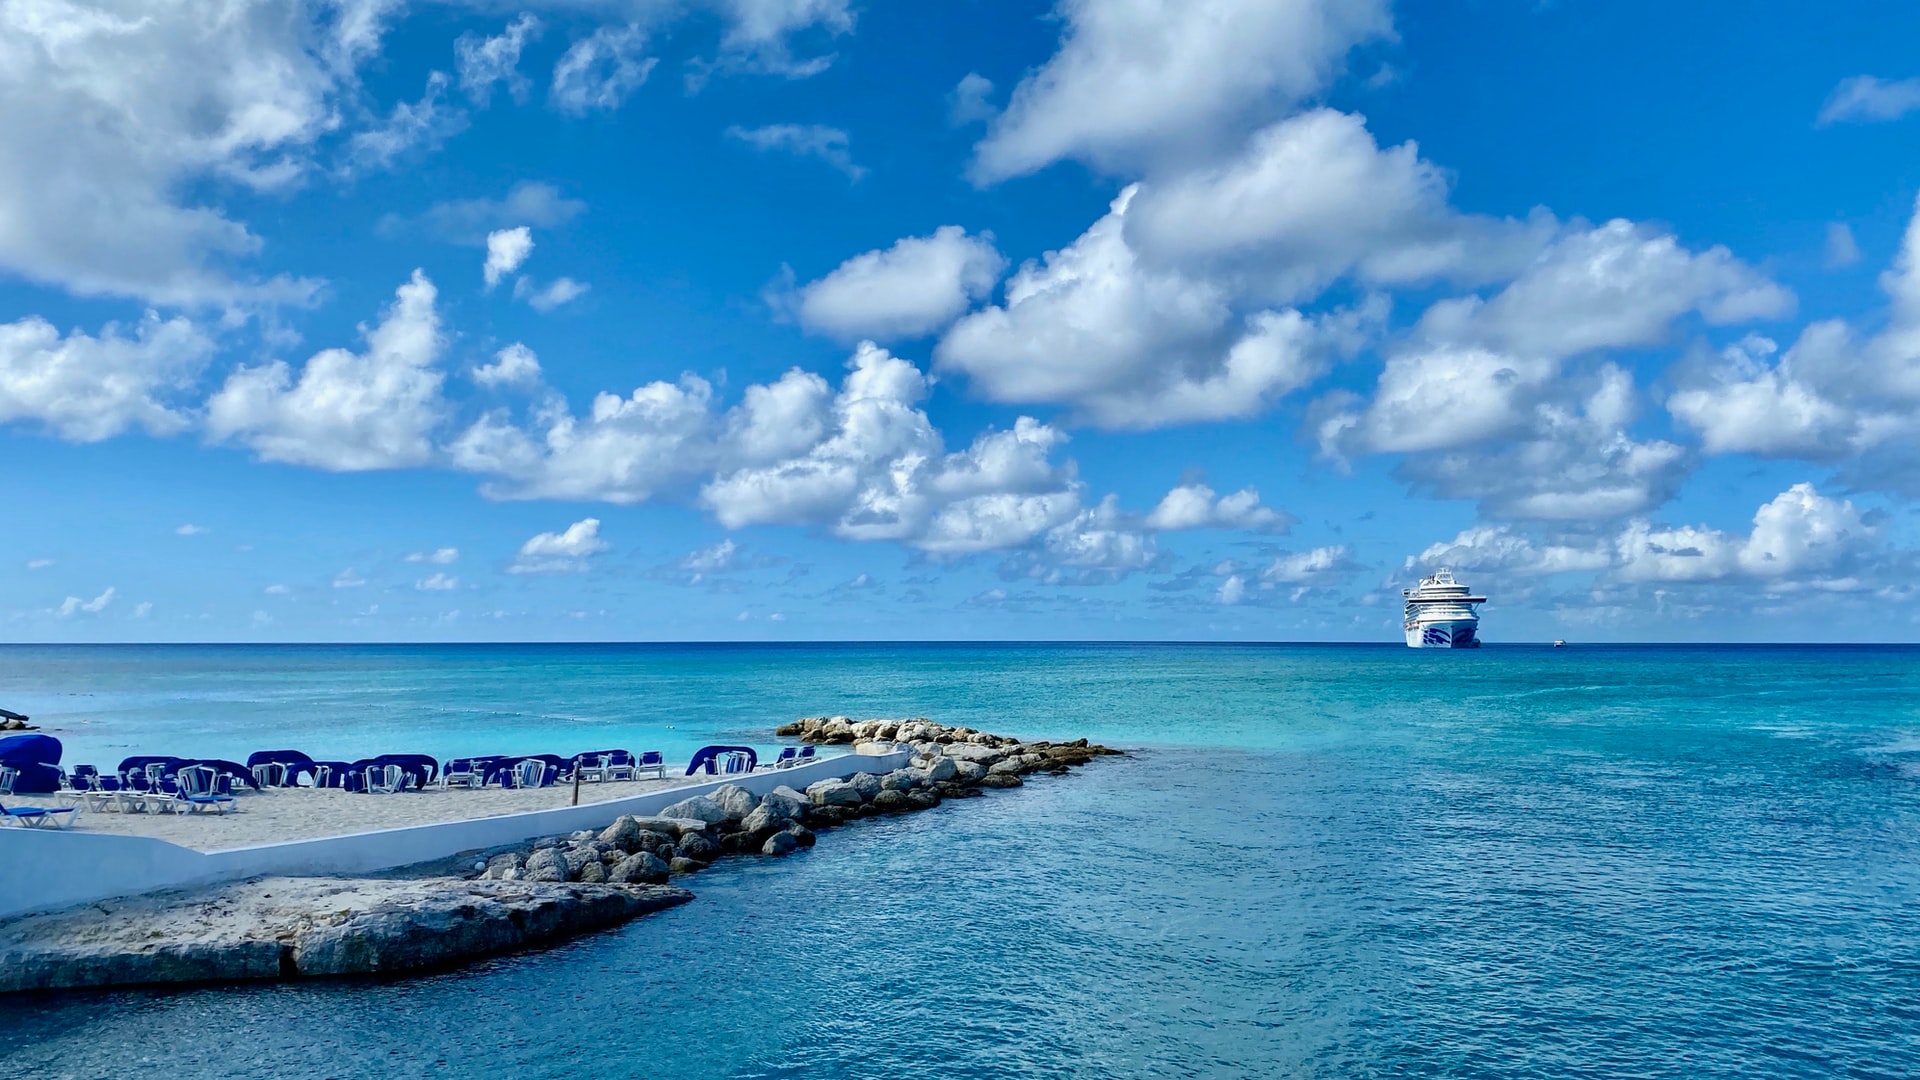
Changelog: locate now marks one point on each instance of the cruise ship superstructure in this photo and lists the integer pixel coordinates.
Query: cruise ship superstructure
(1441, 613)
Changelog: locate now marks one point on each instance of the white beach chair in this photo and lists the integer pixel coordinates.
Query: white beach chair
(386, 780)
(197, 790)
(592, 770)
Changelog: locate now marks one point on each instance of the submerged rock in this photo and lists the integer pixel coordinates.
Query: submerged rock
(780, 843)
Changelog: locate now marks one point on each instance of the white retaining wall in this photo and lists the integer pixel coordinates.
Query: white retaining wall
(44, 869)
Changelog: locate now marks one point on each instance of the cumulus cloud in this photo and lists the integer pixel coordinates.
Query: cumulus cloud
(915, 287)
(600, 70)
(1864, 99)
(1833, 396)
(1504, 549)
(1194, 506)
(85, 388)
(1313, 198)
(485, 61)
(190, 530)
(829, 144)
(1135, 83)
(1131, 346)
(348, 579)
(113, 117)
(969, 101)
(507, 249)
(713, 559)
(1842, 249)
(439, 556)
(345, 411)
(438, 581)
(560, 552)
(515, 365)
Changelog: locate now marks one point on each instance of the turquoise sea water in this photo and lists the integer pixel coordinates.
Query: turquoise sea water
(1333, 861)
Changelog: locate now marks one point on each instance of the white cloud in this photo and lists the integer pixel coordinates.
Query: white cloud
(507, 249)
(190, 530)
(560, 291)
(412, 125)
(1135, 347)
(805, 140)
(116, 114)
(86, 389)
(1320, 565)
(915, 287)
(1842, 249)
(515, 365)
(73, 605)
(561, 552)
(348, 579)
(1313, 198)
(969, 101)
(438, 581)
(346, 411)
(39, 564)
(1502, 549)
(485, 61)
(438, 556)
(143, 609)
(759, 33)
(471, 221)
(599, 71)
(713, 559)
(1800, 536)
(276, 590)
(1232, 590)
(1194, 506)
(1864, 99)
(1140, 81)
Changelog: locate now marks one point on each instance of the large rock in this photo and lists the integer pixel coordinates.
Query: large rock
(794, 802)
(767, 818)
(577, 858)
(697, 847)
(702, 808)
(923, 799)
(982, 755)
(673, 826)
(968, 772)
(780, 843)
(507, 867)
(829, 816)
(801, 834)
(899, 780)
(685, 866)
(1001, 780)
(640, 868)
(547, 864)
(833, 793)
(866, 784)
(941, 768)
(593, 873)
(892, 801)
(624, 833)
(1012, 766)
(737, 801)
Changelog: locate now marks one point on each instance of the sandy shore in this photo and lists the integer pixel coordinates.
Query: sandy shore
(280, 814)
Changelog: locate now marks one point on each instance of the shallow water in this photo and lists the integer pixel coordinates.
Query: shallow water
(1327, 861)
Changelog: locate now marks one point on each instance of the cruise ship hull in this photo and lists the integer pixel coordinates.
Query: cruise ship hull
(1444, 634)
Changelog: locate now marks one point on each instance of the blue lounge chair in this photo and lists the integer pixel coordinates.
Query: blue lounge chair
(33, 817)
(198, 790)
(651, 761)
(786, 758)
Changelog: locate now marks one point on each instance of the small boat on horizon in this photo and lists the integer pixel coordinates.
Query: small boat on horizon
(1559, 643)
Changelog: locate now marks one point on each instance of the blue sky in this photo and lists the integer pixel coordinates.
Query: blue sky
(820, 319)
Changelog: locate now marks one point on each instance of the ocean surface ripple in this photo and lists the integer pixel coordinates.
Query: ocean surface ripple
(1322, 862)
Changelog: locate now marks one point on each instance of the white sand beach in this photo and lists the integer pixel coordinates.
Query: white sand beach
(280, 814)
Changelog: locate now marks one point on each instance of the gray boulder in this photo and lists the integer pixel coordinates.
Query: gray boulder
(899, 780)
(801, 834)
(673, 826)
(968, 772)
(780, 843)
(624, 833)
(893, 802)
(941, 768)
(1012, 766)
(833, 793)
(685, 866)
(702, 808)
(795, 802)
(766, 818)
(640, 868)
(737, 801)
(547, 864)
(923, 799)
(577, 857)
(505, 867)
(698, 848)
(1001, 780)
(594, 873)
(867, 784)
(980, 755)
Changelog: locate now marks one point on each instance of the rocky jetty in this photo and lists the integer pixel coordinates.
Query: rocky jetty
(481, 904)
(292, 928)
(947, 763)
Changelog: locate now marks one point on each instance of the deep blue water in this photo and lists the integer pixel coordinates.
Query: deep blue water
(1333, 861)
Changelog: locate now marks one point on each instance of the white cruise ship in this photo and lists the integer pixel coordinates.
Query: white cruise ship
(1440, 613)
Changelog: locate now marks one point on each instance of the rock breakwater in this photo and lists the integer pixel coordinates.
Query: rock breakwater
(947, 763)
